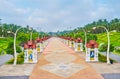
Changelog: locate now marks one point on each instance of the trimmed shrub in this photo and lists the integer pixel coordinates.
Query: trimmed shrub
(103, 47)
(10, 61)
(20, 59)
(103, 58)
(117, 50)
(21, 55)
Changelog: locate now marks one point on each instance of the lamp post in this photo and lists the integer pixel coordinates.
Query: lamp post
(39, 32)
(42, 35)
(69, 29)
(108, 38)
(0, 24)
(31, 33)
(85, 34)
(2, 28)
(15, 54)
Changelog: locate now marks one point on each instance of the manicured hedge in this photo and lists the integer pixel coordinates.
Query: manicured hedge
(103, 58)
(20, 59)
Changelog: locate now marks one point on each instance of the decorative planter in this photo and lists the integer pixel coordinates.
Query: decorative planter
(39, 44)
(30, 53)
(92, 51)
(72, 43)
(78, 45)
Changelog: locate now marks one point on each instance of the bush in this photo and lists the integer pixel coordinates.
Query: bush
(103, 47)
(103, 58)
(20, 59)
(117, 49)
(10, 49)
(10, 61)
(21, 55)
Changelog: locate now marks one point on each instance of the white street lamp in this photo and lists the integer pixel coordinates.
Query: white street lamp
(2, 28)
(2, 32)
(85, 34)
(39, 32)
(31, 33)
(15, 54)
(108, 37)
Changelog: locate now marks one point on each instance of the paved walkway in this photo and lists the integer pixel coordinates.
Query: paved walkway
(14, 77)
(4, 58)
(111, 76)
(60, 62)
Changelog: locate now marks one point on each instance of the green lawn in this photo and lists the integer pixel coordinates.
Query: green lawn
(114, 38)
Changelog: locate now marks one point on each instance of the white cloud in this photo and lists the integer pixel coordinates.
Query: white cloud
(36, 20)
(54, 15)
(101, 12)
(21, 11)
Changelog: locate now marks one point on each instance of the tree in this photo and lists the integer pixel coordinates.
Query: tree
(10, 49)
(22, 37)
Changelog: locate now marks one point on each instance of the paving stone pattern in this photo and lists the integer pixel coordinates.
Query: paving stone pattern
(58, 61)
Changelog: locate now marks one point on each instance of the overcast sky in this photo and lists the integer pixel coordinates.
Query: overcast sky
(54, 15)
